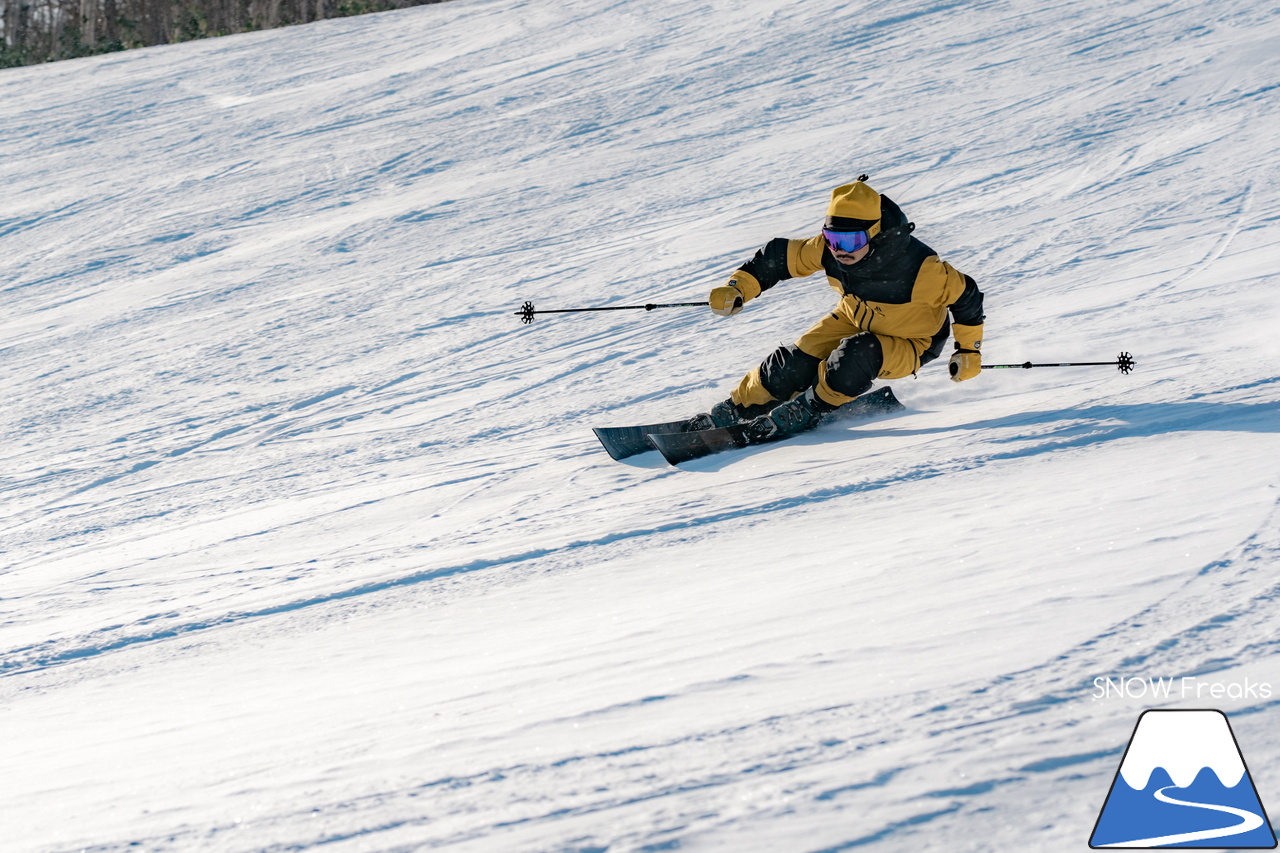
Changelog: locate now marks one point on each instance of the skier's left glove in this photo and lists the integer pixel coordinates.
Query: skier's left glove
(966, 362)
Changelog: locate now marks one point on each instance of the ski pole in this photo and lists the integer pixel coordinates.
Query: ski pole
(526, 311)
(1124, 362)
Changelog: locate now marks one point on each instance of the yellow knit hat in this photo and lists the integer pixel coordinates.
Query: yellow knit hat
(854, 207)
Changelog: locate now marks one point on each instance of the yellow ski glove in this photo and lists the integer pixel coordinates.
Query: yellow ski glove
(966, 362)
(729, 298)
(726, 300)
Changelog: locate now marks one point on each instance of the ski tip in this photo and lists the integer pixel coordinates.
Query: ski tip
(893, 403)
(627, 441)
(885, 396)
(603, 437)
(669, 450)
(682, 447)
(881, 401)
(688, 446)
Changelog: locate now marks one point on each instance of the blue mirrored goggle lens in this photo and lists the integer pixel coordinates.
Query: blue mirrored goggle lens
(845, 241)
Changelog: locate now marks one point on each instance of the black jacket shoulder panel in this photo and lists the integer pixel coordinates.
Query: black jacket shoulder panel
(769, 266)
(967, 310)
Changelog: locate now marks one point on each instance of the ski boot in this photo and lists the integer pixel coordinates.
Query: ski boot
(726, 413)
(800, 413)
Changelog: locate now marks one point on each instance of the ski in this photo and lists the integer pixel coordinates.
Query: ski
(625, 441)
(677, 447)
(686, 446)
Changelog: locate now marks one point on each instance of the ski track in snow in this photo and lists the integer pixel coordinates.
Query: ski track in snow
(306, 542)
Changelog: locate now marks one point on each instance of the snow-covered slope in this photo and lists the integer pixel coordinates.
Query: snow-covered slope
(307, 542)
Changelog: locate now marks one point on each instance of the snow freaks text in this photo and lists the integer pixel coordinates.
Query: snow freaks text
(1184, 687)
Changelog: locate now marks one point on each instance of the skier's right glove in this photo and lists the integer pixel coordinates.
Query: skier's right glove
(729, 298)
(966, 362)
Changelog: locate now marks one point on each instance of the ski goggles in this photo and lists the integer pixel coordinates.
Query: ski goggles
(845, 241)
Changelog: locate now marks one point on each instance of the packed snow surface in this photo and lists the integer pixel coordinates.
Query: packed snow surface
(306, 540)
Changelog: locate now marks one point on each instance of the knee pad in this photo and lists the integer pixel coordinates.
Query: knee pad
(787, 371)
(854, 364)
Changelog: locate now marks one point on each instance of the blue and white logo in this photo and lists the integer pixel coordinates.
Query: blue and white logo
(1183, 783)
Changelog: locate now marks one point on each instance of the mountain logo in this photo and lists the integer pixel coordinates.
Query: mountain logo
(1183, 783)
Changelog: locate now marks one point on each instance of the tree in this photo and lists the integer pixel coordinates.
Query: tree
(33, 31)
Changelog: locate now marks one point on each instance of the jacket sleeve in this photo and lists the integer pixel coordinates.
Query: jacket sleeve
(781, 259)
(967, 309)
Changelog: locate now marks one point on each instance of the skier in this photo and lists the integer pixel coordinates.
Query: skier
(895, 293)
